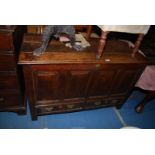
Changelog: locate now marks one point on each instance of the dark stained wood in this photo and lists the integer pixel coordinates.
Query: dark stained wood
(7, 61)
(29, 84)
(11, 81)
(89, 31)
(6, 43)
(115, 52)
(63, 80)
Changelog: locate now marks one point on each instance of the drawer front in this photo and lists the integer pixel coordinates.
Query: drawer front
(6, 42)
(116, 101)
(59, 108)
(99, 103)
(9, 99)
(96, 104)
(8, 80)
(7, 62)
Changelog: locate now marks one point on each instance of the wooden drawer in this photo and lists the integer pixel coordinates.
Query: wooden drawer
(8, 80)
(41, 110)
(9, 99)
(98, 103)
(6, 42)
(7, 61)
(116, 101)
(70, 107)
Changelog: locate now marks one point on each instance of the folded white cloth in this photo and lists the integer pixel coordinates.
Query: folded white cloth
(126, 28)
(82, 41)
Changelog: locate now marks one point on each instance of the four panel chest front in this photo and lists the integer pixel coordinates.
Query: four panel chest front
(63, 80)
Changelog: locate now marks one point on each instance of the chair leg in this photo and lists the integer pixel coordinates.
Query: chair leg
(149, 96)
(102, 44)
(137, 44)
(89, 31)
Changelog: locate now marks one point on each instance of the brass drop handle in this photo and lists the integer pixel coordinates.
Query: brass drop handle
(97, 103)
(70, 106)
(98, 65)
(114, 101)
(49, 109)
(1, 99)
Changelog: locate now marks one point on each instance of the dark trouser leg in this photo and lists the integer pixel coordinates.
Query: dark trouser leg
(149, 96)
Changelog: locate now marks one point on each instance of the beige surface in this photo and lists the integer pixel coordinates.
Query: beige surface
(126, 28)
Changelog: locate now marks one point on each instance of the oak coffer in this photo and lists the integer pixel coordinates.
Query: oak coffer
(64, 80)
(11, 78)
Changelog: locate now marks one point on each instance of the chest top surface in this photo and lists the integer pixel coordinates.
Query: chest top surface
(116, 52)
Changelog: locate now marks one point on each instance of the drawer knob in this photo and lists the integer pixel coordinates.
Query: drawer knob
(1, 99)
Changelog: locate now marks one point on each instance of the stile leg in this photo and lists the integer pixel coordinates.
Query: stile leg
(102, 44)
(137, 44)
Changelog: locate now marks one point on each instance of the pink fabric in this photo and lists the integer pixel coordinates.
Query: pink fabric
(147, 79)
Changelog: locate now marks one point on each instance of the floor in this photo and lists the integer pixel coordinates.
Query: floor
(105, 118)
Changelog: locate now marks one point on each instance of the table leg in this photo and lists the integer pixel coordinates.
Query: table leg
(102, 44)
(89, 31)
(137, 44)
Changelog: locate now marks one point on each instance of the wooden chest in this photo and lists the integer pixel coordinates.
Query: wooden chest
(63, 80)
(11, 78)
